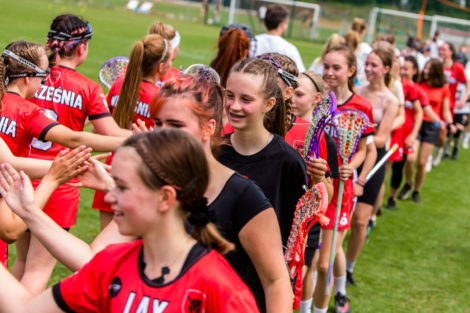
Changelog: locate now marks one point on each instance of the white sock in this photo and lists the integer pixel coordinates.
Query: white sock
(350, 266)
(306, 306)
(317, 310)
(340, 285)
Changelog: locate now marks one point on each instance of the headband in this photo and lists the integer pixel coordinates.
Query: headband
(61, 36)
(26, 63)
(164, 52)
(313, 81)
(176, 40)
(285, 76)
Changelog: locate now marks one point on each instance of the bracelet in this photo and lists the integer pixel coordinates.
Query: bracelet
(361, 181)
(437, 124)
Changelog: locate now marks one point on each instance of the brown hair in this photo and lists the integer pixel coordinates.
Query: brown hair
(334, 40)
(352, 39)
(288, 65)
(385, 51)
(145, 56)
(275, 14)
(233, 46)
(8, 66)
(206, 98)
(165, 30)
(67, 24)
(358, 25)
(173, 157)
(275, 119)
(350, 59)
(412, 60)
(436, 77)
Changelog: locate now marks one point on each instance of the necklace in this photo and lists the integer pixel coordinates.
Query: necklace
(166, 269)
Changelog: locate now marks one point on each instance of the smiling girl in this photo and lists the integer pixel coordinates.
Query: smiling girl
(160, 182)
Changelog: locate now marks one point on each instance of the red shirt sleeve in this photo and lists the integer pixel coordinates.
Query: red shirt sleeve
(38, 121)
(97, 106)
(461, 77)
(445, 92)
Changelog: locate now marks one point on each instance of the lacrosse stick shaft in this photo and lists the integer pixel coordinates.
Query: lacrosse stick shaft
(384, 159)
(333, 242)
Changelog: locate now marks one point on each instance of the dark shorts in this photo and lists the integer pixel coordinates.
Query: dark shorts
(428, 133)
(312, 243)
(461, 119)
(372, 187)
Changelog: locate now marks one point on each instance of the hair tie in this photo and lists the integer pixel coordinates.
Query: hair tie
(312, 80)
(200, 214)
(164, 52)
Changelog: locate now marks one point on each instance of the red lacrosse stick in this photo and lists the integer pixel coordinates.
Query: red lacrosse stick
(309, 209)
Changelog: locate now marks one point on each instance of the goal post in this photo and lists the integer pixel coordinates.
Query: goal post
(301, 13)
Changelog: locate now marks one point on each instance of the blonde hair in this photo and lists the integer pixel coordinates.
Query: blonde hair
(334, 40)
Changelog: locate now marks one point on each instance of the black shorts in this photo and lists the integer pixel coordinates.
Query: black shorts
(428, 133)
(461, 119)
(312, 243)
(372, 187)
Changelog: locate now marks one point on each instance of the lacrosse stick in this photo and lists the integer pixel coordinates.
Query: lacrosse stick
(113, 69)
(321, 117)
(205, 71)
(309, 209)
(350, 124)
(384, 159)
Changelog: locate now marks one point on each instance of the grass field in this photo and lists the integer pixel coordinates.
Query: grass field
(417, 260)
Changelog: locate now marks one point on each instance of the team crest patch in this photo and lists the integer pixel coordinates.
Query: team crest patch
(194, 301)
(54, 76)
(115, 287)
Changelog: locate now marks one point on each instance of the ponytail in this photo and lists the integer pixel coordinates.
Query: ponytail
(145, 56)
(276, 120)
(209, 236)
(3, 77)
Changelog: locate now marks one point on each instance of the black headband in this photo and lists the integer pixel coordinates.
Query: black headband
(313, 81)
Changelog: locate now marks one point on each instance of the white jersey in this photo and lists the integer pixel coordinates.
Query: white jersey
(266, 43)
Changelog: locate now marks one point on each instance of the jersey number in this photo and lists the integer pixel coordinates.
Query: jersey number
(44, 145)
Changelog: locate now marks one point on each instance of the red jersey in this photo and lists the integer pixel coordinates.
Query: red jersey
(4, 253)
(21, 121)
(172, 72)
(114, 281)
(69, 98)
(454, 75)
(435, 97)
(355, 102)
(148, 91)
(295, 136)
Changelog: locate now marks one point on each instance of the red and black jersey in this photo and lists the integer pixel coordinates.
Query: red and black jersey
(435, 97)
(21, 121)
(454, 75)
(296, 134)
(172, 72)
(410, 92)
(114, 281)
(69, 98)
(147, 92)
(355, 102)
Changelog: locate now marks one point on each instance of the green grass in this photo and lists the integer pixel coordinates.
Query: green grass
(417, 260)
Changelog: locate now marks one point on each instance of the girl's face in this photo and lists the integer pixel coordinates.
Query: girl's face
(375, 69)
(445, 52)
(407, 70)
(336, 70)
(35, 82)
(426, 70)
(135, 205)
(176, 113)
(304, 98)
(245, 105)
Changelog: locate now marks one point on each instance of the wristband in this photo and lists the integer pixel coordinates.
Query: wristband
(358, 183)
(438, 123)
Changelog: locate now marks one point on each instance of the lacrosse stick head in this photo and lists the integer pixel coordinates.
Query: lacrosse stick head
(350, 125)
(322, 115)
(203, 70)
(113, 69)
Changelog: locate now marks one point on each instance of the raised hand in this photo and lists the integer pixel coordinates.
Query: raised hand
(69, 164)
(95, 176)
(140, 127)
(16, 189)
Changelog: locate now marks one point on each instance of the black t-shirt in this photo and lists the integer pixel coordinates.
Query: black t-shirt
(332, 155)
(278, 170)
(239, 201)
